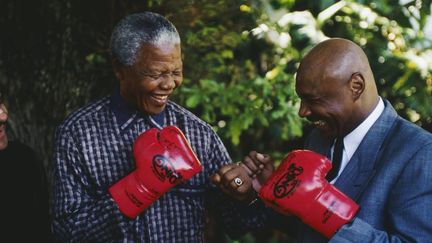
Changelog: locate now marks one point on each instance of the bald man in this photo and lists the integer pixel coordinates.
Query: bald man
(386, 161)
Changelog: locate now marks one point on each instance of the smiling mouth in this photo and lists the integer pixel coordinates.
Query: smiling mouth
(321, 124)
(160, 98)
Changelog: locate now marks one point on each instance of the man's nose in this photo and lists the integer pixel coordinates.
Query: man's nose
(304, 110)
(168, 81)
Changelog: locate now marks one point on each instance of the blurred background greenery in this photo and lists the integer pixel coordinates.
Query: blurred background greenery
(240, 59)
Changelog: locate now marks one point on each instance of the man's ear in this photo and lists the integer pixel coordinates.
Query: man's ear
(117, 69)
(357, 85)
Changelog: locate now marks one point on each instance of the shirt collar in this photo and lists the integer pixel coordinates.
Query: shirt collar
(122, 111)
(125, 114)
(354, 138)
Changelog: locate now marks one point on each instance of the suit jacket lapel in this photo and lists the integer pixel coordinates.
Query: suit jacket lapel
(361, 168)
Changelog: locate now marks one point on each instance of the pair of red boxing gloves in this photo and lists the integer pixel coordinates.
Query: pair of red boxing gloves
(298, 187)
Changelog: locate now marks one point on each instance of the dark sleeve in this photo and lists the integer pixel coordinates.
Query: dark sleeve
(41, 199)
(30, 209)
(234, 217)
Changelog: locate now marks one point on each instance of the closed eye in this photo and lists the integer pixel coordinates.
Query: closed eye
(311, 100)
(156, 76)
(177, 73)
(150, 75)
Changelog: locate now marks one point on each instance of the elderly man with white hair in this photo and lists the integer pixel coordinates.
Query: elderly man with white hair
(114, 159)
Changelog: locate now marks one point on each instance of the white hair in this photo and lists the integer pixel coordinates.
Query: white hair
(137, 29)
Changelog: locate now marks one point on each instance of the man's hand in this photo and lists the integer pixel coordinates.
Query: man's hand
(234, 180)
(259, 167)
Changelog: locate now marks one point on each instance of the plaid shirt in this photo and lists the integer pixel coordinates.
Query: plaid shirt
(93, 150)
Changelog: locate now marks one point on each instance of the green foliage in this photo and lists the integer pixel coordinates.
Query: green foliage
(398, 49)
(238, 83)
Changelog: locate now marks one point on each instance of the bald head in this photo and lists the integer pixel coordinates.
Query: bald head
(337, 59)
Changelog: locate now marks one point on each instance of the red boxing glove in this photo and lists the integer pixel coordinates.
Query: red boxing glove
(299, 187)
(163, 160)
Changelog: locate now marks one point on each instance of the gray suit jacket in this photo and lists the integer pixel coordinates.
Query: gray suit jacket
(390, 177)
